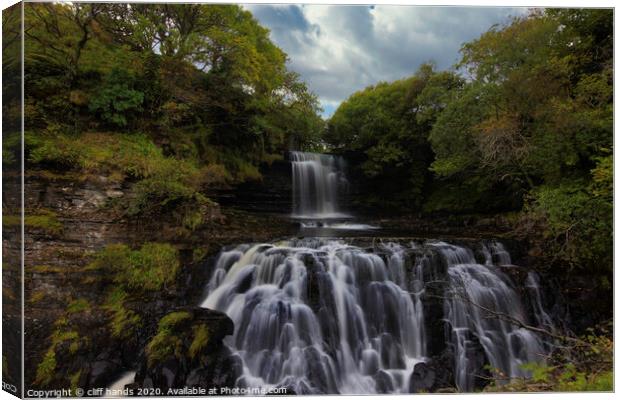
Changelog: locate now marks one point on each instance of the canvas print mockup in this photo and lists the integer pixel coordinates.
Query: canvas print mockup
(253, 199)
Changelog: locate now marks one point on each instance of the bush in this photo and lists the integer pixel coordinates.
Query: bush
(577, 224)
(582, 364)
(164, 184)
(116, 102)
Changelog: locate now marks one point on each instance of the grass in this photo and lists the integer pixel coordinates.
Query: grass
(78, 305)
(45, 220)
(162, 183)
(166, 343)
(151, 268)
(200, 341)
(123, 321)
(46, 369)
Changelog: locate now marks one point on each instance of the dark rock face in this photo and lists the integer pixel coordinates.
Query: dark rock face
(443, 367)
(213, 367)
(422, 379)
(272, 193)
(54, 264)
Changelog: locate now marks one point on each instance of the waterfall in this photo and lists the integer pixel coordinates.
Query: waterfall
(542, 318)
(325, 316)
(317, 181)
(480, 301)
(117, 388)
(320, 316)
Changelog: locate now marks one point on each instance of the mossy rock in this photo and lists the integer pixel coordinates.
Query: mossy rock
(173, 341)
(41, 220)
(151, 268)
(188, 344)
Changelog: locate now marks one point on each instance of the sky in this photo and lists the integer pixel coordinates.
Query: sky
(339, 50)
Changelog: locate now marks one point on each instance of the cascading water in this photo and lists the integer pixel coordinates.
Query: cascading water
(324, 316)
(481, 306)
(320, 316)
(317, 181)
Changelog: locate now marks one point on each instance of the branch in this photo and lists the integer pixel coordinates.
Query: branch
(517, 322)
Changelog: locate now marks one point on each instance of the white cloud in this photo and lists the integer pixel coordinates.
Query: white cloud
(342, 49)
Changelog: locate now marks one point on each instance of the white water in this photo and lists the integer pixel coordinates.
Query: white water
(346, 226)
(361, 325)
(322, 316)
(117, 388)
(477, 298)
(317, 181)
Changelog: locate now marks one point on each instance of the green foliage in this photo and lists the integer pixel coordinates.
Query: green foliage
(201, 339)
(215, 80)
(116, 102)
(577, 219)
(123, 322)
(120, 155)
(171, 320)
(170, 184)
(46, 368)
(166, 342)
(564, 378)
(41, 219)
(164, 184)
(583, 364)
(11, 148)
(151, 268)
(536, 121)
(540, 372)
(170, 340)
(380, 130)
(78, 305)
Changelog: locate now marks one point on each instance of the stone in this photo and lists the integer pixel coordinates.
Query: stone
(422, 378)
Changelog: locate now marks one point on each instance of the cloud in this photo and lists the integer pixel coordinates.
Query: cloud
(339, 50)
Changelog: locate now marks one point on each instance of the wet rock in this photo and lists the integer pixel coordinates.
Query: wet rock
(384, 384)
(422, 378)
(212, 366)
(101, 372)
(443, 367)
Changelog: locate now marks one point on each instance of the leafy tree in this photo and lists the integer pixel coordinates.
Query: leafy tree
(116, 101)
(384, 129)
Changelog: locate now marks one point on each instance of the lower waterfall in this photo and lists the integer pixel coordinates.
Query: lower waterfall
(326, 316)
(479, 307)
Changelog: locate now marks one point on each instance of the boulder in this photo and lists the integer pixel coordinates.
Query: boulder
(422, 378)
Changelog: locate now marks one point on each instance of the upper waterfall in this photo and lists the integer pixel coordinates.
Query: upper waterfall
(317, 181)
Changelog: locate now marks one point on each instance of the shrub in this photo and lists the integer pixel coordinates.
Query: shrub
(117, 102)
(164, 184)
(62, 333)
(583, 364)
(577, 224)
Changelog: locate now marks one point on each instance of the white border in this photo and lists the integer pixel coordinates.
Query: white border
(478, 3)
